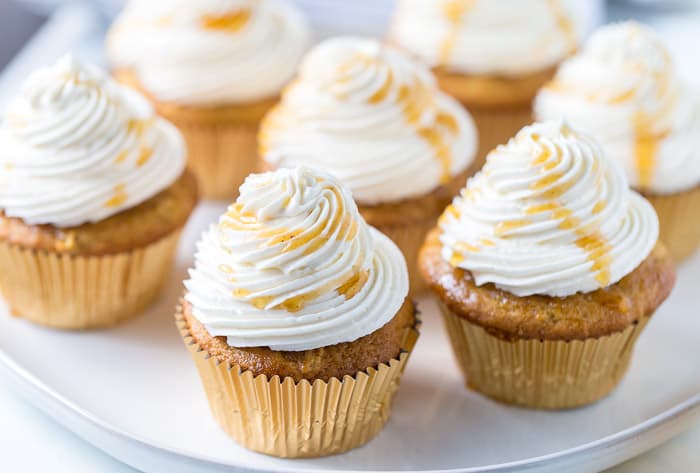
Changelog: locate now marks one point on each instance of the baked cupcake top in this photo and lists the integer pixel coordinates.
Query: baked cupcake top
(76, 147)
(209, 52)
(548, 214)
(487, 37)
(293, 266)
(624, 90)
(374, 118)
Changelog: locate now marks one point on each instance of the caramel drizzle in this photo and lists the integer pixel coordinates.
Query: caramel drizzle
(593, 243)
(564, 24)
(341, 224)
(454, 11)
(231, 22)
(119, 196)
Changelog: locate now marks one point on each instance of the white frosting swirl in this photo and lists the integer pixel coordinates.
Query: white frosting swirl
(374, 118)
(209, 51)
(549, 214)
(504, 37)
(292, 266)
(77, 147)
(623, 89)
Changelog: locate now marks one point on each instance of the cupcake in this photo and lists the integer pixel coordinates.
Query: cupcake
(92, 199)
(491, 55)
(623, 89)
(547, 268)
(373, 118)
(213, 68)
(295, 301)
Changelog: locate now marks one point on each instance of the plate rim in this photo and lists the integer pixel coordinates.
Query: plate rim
(675, 419)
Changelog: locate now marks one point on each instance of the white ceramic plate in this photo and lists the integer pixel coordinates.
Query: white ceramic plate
(133, 392)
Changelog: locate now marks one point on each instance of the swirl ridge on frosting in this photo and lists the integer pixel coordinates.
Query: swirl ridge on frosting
(507, 37)
(76, 147)
(549, 214)
(623, 89)
(209, 51)
(374, 118)
(292, 266)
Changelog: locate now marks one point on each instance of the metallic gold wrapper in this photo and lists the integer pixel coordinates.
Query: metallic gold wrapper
(83, 292)
(679, 229)
(544, 374)
(409, 238)
(220, 156)
(291, 419)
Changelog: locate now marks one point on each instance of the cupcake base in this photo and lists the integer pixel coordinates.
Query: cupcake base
(678, 229)
(295, 419)
(545, 374)
(540, 351)
(83, 292)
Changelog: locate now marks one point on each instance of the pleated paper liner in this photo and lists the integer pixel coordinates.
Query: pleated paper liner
(409, 238)
(540, 374)
(220, 156)
(679, 228)
(306, 419)
(83, 292)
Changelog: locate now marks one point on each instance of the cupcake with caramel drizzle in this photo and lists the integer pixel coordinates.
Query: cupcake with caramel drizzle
(292, 286)
(93, 195)
(374, 118)
(624, 90)
(213, 68)
(492, 55)
(547, 268)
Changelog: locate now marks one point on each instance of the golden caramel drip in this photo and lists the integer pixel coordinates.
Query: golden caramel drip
(231, 22)
(504, 227)
(225, 268)
(144, 155)
(599, 207)
(119, 196)
(546, 181)
(623, 97)
(450, 211)
(381, 94)
(354, 284)
(341, 224)
(454, 11)
(564, 24)
(121, 157)
(646, 144)
(414, 101)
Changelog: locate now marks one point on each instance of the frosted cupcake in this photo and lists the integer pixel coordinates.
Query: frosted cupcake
(92, 199)
(547, 268)
(623, 89)
(213, 68)
(491, 55)
(374, 118)
(295, 301)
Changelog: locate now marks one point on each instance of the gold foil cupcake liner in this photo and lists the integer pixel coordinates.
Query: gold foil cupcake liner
(220, 156)
(83, 292)
(678, 227)
(542, 374)
(496, 126)
(409, 238)
(291, 419)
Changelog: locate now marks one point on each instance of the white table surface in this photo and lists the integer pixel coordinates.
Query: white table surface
(31, 442)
